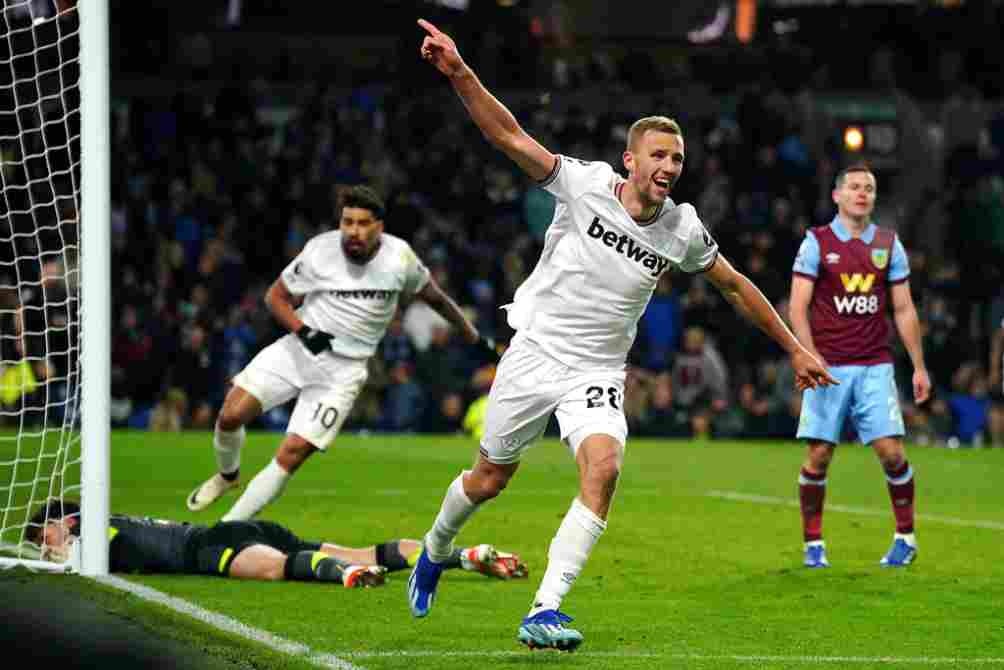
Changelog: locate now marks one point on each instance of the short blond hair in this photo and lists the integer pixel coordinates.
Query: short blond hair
(663, 124)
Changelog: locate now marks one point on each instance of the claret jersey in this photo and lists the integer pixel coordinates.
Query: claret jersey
(848, 315)
(599, 267)
(353, 302)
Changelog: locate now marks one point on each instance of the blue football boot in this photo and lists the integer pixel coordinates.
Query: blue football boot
(900, 555)
(815, 555)
(546, 630)
(422, 584)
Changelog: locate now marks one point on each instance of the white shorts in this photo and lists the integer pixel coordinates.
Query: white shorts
(326, 387)
(530, 386)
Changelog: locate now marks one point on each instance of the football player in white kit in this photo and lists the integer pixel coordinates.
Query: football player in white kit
(336, 299)
(575, 318)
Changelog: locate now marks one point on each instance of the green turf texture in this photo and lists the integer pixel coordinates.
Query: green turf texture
(682, 578)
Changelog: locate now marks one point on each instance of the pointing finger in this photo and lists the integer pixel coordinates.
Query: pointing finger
(429, 28)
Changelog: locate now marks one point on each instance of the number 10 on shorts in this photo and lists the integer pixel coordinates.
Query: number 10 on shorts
(328, 416)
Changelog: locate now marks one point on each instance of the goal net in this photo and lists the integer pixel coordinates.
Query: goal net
(41, 274)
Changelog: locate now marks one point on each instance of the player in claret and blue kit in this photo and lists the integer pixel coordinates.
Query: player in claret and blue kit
(845, 276)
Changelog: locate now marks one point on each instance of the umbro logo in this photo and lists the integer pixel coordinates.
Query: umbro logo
(833, 258)
(626, 246)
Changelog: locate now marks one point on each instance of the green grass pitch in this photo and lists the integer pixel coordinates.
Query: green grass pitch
(699, 568)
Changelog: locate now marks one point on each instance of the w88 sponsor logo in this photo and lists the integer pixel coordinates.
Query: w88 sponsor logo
(856, 304)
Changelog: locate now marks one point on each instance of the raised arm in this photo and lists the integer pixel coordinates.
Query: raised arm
(496, 122)
(751, 303)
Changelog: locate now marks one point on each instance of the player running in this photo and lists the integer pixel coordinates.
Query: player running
(336, 299)
(247, 550)
(575, 317)
(845, 275)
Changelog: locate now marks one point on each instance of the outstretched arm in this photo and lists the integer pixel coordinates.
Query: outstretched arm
(444, 305)
(750, 302)
(905, 315)
(496, 122)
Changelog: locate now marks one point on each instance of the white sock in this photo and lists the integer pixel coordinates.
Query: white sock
(228, 445)
(266, 486)
(457, 508)
(570, 548)
(910, 538)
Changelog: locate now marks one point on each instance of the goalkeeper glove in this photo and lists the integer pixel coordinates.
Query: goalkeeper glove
(491, 348)
(316, 341)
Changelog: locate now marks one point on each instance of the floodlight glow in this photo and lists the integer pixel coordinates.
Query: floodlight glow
(854, 139)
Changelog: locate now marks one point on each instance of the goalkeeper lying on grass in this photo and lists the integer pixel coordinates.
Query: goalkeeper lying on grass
(247, 550)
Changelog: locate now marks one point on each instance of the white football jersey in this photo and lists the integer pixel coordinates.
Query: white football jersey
(353, 302)
(599, 267)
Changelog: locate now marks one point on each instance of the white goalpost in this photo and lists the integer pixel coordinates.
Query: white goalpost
(55, 278)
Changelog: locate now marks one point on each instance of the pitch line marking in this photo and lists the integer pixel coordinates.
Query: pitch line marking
(229, 625)
(741, 658)
(849, 509)
(337, 661)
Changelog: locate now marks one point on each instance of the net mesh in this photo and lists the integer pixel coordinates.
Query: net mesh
(39, 264)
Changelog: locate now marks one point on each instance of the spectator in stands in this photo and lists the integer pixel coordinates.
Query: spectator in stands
(171, 413)
(785, 405)
(748, 417)
(421, 321)
(238, 340)
(996, 368)
(132, 349)
(969, 404)
(700, 378)
(637, 394)
(442, 368)
(715, 201)
(660, 327)
(195, 372)
(18, 384)
(448, 417)
(199, 171)
(396, 346)
(474, 418)
(940, 337)
(700, 305)
(661, 417)
(404, 400)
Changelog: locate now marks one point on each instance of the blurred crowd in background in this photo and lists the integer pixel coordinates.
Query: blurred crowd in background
(218, 185)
